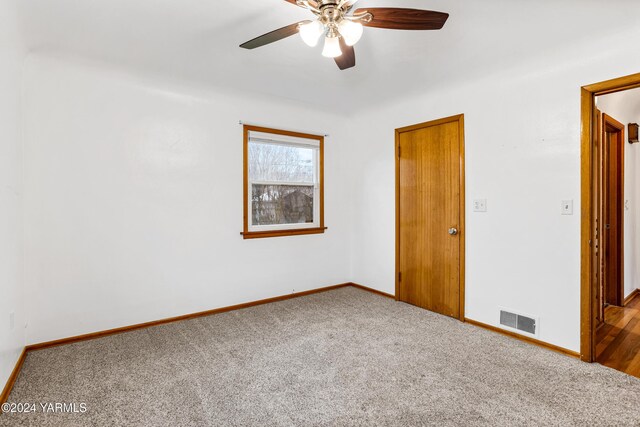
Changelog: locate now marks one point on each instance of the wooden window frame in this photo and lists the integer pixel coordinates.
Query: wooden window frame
(246, 233)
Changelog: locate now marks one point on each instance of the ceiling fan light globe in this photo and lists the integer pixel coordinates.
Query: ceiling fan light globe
(311, 32)
(331, 47)
(351, 31)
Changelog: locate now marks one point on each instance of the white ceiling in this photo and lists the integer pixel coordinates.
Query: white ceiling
(198, 40)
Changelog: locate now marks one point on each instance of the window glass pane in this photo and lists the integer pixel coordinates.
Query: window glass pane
(281, 204)
(269, 162)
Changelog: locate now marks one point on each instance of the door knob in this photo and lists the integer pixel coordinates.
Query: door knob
(453, 231)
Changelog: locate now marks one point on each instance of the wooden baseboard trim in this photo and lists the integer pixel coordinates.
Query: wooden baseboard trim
(84, 337)
(631, 296)
(120, 330)
(375, 291)
(534, 341)
(12, 378)
(94, 335)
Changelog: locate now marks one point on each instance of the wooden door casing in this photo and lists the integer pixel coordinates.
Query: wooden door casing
(598, 213)
(588, 94)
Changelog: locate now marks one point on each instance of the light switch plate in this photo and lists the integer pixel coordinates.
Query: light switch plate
(567, 207)
(480, 205)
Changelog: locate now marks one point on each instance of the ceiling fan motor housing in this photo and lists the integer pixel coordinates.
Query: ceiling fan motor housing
(330, 13)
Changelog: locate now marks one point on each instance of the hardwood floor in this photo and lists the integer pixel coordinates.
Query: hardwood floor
(618, 339)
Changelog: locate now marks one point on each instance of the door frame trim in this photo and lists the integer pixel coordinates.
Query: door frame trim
(620, 128)
(587, 293)
(459, 118)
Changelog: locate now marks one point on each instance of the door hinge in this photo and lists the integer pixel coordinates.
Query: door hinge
(399, 276)
(398, 151)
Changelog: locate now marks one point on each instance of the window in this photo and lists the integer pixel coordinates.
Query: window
(283, 183)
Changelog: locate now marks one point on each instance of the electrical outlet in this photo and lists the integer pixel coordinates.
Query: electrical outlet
(480, 205)
(567, 207)
(12, 320)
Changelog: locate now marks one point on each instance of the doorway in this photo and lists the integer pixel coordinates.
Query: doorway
(609, 212)
(605, 321)
(608, 215)
(430, 215)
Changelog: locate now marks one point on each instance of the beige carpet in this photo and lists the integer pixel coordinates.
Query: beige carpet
(345, 357)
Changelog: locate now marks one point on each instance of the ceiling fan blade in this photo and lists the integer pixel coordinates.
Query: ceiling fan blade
(348, 57)
(312, 3)
(273, 36)
(349, 3)
(394, 18)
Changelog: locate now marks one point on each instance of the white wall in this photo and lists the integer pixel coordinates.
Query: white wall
(134, 201)
(11, 286)
(625, 107)
(522, 128)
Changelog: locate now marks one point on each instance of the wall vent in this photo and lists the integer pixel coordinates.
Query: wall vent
(518, 321)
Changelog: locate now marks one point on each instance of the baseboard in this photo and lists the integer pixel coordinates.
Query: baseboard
(534, 341)
(12, 378)
(631, 296)
(375, 291)
(33, 347)
(99, 334)
(94, 335)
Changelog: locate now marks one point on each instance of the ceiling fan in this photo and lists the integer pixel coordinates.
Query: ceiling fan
(343, 27)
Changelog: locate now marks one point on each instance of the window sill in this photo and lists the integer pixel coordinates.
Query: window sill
(281, 233)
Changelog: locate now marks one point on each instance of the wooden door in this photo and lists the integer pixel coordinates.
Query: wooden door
(430, 216)
(612, 210)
